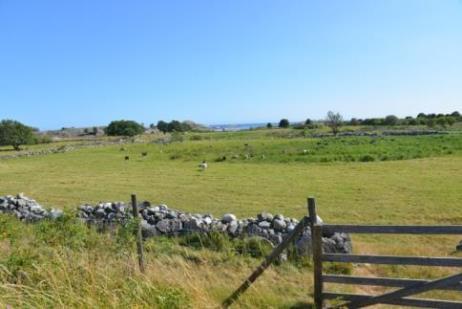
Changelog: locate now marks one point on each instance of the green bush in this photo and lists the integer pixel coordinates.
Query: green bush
(65, 231)
(284, 123)
(124, 128)
(366, 158)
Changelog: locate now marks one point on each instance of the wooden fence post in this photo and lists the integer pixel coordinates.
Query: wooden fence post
(139, 237)
(316, 231)
(312, 211)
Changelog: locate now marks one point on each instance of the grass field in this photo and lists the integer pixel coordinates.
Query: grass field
(399, 180)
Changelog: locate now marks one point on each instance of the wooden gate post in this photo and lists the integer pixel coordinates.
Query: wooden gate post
(316, 246)
(139, 236)
(316, 231)
(312, 211)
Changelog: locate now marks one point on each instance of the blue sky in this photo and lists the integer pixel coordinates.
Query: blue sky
(79, 63)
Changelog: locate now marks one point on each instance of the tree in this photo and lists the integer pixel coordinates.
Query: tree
(334, 121)
(13, 133)
(124, 128)
(391, 120)
(174, 126)
(450, 120)
(185, 126)
(308, 122)
(162, 126)
(269, 125)
(355, 122)
(94, 131)
(284, 123)
(441, 121)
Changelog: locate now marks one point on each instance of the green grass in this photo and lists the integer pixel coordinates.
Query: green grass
(419, 183)
(248, 186)
(308, 150)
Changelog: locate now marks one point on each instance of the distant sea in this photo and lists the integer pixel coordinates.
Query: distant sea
(236, 127)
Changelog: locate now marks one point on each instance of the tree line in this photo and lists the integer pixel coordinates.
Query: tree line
(132, 128)
(429, 120)
(335, 121)
(14, 133)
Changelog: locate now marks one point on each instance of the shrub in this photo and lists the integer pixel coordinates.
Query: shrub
(284, 123)
(65, 231)
(367, 158)
(384, 158)
(124, 128)
(390, 120)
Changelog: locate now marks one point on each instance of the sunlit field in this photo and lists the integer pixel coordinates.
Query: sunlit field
(383, 180)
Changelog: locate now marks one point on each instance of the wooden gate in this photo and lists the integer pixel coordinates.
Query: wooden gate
(406, 287)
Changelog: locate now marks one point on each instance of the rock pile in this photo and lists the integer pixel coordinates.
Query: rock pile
(161, 220)
(26, 209)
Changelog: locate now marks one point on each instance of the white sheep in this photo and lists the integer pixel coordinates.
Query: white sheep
(203, 166)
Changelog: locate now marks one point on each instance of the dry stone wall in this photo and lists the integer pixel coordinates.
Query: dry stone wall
(160, 220)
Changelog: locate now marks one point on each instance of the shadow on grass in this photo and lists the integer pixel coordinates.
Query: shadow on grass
(302, 305)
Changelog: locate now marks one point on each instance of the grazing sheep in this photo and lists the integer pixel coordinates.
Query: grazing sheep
(203, 166)
(144, 154)
(127, 158)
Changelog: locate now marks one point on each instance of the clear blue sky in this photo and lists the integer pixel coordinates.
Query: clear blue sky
(86, 62)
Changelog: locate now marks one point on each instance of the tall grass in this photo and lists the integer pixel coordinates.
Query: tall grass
(83, 268)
